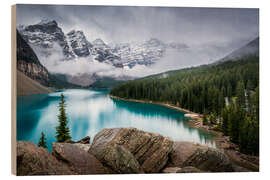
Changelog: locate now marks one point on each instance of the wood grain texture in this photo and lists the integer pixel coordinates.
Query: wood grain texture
(13, 89)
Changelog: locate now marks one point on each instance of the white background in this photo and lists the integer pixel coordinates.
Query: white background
(5, 85)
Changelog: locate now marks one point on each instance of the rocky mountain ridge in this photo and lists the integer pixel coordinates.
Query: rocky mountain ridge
(47, 34)
(44, 35)
(250, 49)
(47, 39)
(77, 41)
(29, 64)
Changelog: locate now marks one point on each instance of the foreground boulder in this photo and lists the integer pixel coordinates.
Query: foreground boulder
(84, 147)
(210, 159)
(129, 150)
(78, 159)
(34, 160)
(120, 159)
(182, 151)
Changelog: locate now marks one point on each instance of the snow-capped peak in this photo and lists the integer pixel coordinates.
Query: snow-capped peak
(79, 43)
(98, 42)
(47, 22)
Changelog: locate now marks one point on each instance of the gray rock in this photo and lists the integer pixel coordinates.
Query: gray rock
(84, 147)
(34, 160)
(148, 149)
(210, 159)
(78, 159)
(121, 160)
(181, 152)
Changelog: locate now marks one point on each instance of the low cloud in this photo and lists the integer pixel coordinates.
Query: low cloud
(55, 62)
(211, 33)
(172, 60)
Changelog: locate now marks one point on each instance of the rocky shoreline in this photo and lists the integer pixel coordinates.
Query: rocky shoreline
(223, 142)
(122, 151)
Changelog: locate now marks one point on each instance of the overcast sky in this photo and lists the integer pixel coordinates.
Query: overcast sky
(211, 33)
(122, 24)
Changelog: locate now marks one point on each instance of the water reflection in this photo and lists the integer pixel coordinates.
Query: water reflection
(90, 111)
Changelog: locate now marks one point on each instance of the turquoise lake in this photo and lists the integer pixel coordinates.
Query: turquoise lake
(89, 111)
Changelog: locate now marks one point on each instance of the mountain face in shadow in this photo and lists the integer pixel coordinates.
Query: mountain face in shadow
(29, 64)
(250, 49)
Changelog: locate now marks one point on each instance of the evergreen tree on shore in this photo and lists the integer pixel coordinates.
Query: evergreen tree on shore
(225, 121)
(42, 141)
(62, 130)
(205, 120)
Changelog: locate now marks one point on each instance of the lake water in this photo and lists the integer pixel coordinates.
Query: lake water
(89, 111)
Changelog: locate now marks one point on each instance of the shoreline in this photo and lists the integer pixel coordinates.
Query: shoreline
(158, 103)
(195, 120)
(222, 142)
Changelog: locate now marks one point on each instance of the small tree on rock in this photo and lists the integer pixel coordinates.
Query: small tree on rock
(42, 141)
(62, 130)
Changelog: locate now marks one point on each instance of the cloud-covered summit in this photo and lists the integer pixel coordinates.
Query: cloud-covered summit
(209, 33)
(122, 24)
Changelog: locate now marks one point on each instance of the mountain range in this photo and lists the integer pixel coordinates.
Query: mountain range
(250, 49)
(45, 35)
(46, 39)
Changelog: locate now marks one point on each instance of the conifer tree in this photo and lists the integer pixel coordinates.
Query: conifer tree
(42, 141)
(255, 103)
(225, 121)
(62, 130)
(213, 118)
(240, 93)
(205, 120)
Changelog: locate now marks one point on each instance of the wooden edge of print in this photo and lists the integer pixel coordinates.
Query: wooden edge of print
(13, 89)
